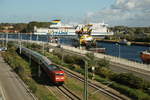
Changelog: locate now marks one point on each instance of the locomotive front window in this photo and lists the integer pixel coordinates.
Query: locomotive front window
(60, 74)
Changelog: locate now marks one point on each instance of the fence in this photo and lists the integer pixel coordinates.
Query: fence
(124, 62)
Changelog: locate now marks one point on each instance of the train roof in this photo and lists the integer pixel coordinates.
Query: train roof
(53, 67)
(42, 58)
(47, 60)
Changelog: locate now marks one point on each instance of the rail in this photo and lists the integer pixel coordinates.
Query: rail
(97, 87)
(68, 93)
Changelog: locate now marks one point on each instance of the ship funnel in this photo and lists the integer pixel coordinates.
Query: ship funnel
(55, 23)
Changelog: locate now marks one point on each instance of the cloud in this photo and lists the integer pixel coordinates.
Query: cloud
(125, 12)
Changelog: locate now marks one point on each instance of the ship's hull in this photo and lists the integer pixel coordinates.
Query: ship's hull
(70, 33)
(145, 57)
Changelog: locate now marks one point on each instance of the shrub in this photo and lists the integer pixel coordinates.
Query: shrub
(75, 67)
(79, 60)
(19, 70)
(32, 86)
(129, 80)
(103, 63)
(69, 59)
(58, 54)
(104, 72)
(52, 57)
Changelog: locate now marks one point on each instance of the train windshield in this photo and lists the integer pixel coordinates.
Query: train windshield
(60, 74)
(53, 67)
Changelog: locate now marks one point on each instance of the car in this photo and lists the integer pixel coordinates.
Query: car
(3, 48)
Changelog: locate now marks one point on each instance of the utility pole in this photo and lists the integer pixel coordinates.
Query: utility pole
(3, 40)
(43, 47)
(6, 39)
(47, 44)
(20, 39)
(85, 81)
(30, 48)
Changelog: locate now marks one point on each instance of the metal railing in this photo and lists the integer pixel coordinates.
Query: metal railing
(122, 61)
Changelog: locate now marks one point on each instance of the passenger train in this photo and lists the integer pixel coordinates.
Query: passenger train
(55, 74)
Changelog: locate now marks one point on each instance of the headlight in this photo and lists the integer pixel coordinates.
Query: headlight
(62, 77)
(57, 78)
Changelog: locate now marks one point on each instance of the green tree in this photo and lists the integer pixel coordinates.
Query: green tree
(30, 26)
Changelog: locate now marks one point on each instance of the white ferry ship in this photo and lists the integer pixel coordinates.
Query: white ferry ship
(57, 28)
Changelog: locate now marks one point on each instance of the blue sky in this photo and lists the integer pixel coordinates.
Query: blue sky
(44, 10)
(112, 12)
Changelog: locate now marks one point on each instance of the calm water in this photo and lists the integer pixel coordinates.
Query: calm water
(129, 52)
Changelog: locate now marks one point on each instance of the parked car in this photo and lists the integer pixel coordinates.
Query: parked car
(3, 48)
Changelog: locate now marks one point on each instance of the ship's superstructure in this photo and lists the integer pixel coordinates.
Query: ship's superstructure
(57, 28)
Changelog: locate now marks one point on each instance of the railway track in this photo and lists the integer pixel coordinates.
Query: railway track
(68, 93)
(64, 92)
(95, 86)
(71, 96)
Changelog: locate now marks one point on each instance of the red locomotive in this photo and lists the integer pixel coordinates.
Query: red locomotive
(55, 74)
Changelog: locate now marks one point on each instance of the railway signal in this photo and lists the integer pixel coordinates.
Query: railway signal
(93, 70)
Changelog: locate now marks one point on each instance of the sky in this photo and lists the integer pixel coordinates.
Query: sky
(112, 12)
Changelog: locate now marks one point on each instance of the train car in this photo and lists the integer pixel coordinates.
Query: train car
(55, 74)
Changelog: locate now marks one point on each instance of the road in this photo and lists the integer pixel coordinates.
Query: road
(11, 84)
(126, 69)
